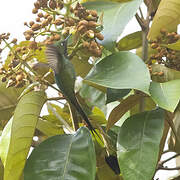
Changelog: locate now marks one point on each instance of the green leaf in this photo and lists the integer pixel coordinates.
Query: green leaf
(63, 157)
(121, 109)
(121, 70)
(116, 94)
(97, 116)
(131, 41)
(8, 101)
(138, 145)
(116, 17)
(93, 96)
(48, 128)
(17, 135)
(167, 16)
(166, 95)
(174, 46)
(52, 118)
(1, 170)
(82, 66)
(149, 105)
(168, 74)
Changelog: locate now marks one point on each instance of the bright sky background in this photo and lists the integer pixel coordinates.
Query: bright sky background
(13, 14)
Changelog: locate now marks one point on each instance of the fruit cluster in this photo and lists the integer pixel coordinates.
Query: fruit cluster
(164, 55)
(57, 19)
(14, 70)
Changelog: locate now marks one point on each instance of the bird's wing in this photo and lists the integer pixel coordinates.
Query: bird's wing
(52, 57)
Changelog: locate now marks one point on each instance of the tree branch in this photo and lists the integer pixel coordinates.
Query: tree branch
(55, 98)
(169, 169)
(145, 29)
(174, 156)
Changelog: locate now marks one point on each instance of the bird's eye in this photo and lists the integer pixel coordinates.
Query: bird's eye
(62, 44)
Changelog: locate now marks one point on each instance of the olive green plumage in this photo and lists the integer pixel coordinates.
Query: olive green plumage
(65, 75)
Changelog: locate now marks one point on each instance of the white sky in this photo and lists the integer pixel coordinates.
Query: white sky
(13, 14)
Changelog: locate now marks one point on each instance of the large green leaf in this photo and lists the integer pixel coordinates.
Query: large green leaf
(64, 157)
(168, 74)
(17, 135)
(166, 95)
(116, 17)
(138, 145)
(167, 16)
(121, 70)
(8, 101)
(131, 41)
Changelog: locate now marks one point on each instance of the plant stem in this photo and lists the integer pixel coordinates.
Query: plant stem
(55, 98)
(174, 156)
(145, 29)
(169, 169)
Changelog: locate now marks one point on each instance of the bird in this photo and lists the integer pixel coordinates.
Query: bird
(65, 75)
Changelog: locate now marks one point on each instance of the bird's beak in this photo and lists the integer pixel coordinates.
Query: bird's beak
(66, 40)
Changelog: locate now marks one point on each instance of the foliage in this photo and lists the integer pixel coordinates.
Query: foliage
(131, 100)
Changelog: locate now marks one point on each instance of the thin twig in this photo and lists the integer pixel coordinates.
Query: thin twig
(176, 155)
(145, 29)
(166, 151)
(55, 98)
(142, 17)
(169, 169)
(140, 21)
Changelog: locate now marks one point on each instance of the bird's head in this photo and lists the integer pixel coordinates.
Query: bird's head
(54, 53)
(62, 46)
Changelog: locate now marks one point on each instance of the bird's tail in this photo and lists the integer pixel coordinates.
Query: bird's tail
(84, 116)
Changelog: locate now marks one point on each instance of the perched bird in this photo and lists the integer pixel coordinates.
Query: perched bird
(65, 75)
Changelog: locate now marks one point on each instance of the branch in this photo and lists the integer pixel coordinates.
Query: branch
(142, 17)
(176, 155)
(166, 151)
(55, 98)
(145, 29)
(140, 21)
(169, 169)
